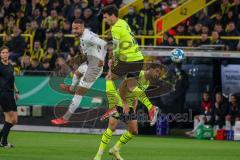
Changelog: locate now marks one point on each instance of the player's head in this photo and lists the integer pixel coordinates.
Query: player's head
(157, 71)
(110, 14)
(4, 53)
(78, 27)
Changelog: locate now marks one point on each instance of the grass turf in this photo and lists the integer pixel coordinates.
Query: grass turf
(56, 146)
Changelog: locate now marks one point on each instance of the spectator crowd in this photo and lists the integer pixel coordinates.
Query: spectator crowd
(48, 21)
(218, 111)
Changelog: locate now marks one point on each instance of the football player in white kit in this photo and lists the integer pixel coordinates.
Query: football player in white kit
(95, 50)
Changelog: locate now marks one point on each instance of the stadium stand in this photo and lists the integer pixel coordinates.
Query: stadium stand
(45, 26)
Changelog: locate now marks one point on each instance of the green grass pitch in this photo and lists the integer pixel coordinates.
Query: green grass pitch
(57, 146)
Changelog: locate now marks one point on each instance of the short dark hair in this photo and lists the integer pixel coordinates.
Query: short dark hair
(4, 47)
(206, 92)
(218, 93)
(79, 21)
(232, 22)
(156, 65)
(111, 10)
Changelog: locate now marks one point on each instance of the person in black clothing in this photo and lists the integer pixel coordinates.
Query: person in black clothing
(229, 17)
(8, 8)
(236, 7)
(181, 88)
(147, 15)
(133, 20)
(180, 32)
(21, 20)
(231, 31)
(67, 9)
(96, 7)
(50, 40)
(45, 67)
(204, 39)
(233, 112)
(171, 41)
(218, 19)
(17, 44)
(24, 7)
(37, 16)
(219, 28)
(91, 21)
(220, 110)
(37, 31)
(63, 43)
(7, 100)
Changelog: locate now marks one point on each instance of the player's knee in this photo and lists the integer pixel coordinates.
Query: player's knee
(112, 126)
(14, 121)
(196, 117)
(134, 132)
(80, 90)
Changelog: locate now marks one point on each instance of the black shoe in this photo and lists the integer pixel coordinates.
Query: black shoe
(7, 146)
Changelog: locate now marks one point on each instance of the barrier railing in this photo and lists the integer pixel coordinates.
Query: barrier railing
(141, 38)
(137, 4)
(179, 14)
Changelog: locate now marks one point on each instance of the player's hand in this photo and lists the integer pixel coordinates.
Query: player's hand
(109, 75)
(17, 96)
(126, 109)
(110, 63)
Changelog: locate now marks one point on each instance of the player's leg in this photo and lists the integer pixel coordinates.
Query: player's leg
(127, 136)
(202, 120)
(111, 89)
(106, 137)
(75, 80)
(131, 120)
(195, 125)
(117, 70)
(10, 120)
(9, 107)
(86, 82)
(132, 69)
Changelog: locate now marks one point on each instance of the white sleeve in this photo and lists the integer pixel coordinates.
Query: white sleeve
(98, 41)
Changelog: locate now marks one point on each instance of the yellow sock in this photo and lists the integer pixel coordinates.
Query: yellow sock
(106, 137)
(124, 139)
(112, 93)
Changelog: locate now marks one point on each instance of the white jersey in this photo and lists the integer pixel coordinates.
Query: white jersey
(92, 45)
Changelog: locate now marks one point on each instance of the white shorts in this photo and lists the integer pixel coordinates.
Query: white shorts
(91, 72)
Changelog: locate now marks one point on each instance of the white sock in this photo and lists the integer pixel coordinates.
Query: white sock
(228, 125)
(73, 106)
(196, 121)
(201, 122)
